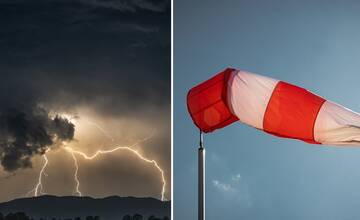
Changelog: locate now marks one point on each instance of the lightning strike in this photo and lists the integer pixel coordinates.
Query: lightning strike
(116, 148)
(103, 131)
(77, 186)
(38, 189)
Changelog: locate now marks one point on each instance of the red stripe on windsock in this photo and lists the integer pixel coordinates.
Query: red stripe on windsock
(207, 103)
(291, 112)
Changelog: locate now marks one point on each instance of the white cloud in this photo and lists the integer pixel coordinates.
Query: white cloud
(234, 189)
(228, 186)
(222, 186)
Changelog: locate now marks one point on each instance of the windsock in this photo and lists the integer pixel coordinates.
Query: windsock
(274, 106)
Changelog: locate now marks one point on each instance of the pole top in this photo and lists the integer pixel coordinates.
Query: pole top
(201, 142)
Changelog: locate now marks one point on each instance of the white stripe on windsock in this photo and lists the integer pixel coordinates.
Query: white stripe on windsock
(248, 96)
(337, 125)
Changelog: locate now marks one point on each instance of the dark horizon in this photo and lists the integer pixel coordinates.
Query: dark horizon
(110, 208)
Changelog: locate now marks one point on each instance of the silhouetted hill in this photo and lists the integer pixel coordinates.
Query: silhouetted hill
(109, 208)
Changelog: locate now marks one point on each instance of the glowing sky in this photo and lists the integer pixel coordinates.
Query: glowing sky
(106, 67)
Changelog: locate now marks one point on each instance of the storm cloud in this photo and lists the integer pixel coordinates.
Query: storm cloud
(27, 132)
(87, 52)
(110, 57)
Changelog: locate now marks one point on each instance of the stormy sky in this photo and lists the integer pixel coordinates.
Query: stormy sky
(91, 75)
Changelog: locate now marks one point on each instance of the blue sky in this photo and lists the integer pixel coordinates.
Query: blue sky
(252, 175)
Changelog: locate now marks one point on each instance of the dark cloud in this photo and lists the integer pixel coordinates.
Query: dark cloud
(28, 132)
(26, 129)
(125, 5)
(120, 5)
(112, 56)
(81, 52)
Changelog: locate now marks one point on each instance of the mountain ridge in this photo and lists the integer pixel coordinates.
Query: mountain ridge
(108, 208)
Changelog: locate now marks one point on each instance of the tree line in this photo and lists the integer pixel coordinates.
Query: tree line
(23, 216)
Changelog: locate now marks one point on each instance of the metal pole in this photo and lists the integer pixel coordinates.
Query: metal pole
(201, 180)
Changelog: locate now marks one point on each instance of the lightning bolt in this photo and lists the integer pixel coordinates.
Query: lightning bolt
(77, 186)
(103, 131)
(117, 148)
(38, 189)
